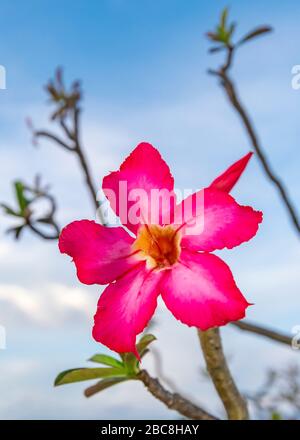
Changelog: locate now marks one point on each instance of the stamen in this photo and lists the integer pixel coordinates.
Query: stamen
(158, 245)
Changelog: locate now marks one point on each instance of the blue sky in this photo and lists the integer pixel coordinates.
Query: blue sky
(143, 66)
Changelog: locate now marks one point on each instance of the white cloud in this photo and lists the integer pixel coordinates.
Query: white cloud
(51, 306)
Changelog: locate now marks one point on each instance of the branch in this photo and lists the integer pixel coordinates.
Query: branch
(43, 234)
(263, 331)
(82, 159)
(26, 197)
(67, 115)
(217, 367)
(41, 193)
(173, 400)
(230, 89)
(54, 138)
(66, 129)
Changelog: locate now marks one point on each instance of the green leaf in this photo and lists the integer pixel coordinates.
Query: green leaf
(255, 33)
(131, 363)
(22, 201)
(81, 374)
(223, 35)
(103, 384)
(107, 360)
(143, 344)
(224, 16)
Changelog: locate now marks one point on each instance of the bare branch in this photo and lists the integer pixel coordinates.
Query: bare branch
(82, 159)
(54, 138)
(67, 115)
(217, 367)
(43, 234)
(173, 401)
(230, 89)
(263, 331)
(66, 129)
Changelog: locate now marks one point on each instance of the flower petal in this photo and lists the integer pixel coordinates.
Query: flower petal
(140, 174)
(227, 180)
(125, 307)
(214, 220)
(100, 254)
(200, 291)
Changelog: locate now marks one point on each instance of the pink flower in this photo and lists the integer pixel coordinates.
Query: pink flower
(161, 259)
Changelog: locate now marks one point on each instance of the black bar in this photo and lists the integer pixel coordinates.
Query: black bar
(94, 429)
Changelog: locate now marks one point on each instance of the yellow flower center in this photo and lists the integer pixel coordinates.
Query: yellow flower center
(158, 245)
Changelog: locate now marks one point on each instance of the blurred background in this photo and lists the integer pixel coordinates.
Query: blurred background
(143, 66)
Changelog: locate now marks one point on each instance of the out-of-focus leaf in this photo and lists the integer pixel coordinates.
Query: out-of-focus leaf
(59, 77)
(232, 28)
(276, 416)
(16, 231)
(145, 352)
(22, 201)
(107, 360)
(9, 210)
(81, 374)
(255, 33)
(103, 384)
(216, 49)
(212, 36)
(223, 35)
(224, 16)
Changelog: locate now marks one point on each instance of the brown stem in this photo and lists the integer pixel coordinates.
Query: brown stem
(54, 138)
(232, 95)
(83, 162)
(263, 331)
(217, 367)
(173, 400)
(66, 129)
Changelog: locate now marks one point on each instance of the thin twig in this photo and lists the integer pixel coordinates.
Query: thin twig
(217, 367)
(263, 331)
(73, 136)
(43, 234)
(173, 400)
(54, 138)
(43, 194)
(230, 89)
(82, 159)
(66, 129)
